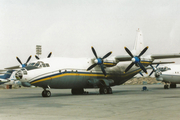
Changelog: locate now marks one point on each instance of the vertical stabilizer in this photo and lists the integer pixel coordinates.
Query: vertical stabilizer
(139, 43)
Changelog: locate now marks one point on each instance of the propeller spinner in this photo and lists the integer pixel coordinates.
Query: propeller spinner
(136, 59)
(99, 61)
(25, 64)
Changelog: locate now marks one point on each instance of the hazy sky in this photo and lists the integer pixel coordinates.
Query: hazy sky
(69, 28)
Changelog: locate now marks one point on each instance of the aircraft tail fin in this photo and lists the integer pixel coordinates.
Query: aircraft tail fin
(139, 43)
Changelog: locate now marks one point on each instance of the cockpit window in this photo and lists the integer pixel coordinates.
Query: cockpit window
(31, 64)
(44, 65)
(47, 65)
(37, 64)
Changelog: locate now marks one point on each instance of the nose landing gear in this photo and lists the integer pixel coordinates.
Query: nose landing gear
(46, 93)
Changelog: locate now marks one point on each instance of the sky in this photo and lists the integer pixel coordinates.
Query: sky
(69, 28)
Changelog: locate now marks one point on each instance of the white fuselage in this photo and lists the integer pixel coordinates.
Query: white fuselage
(171, 74)
(72, 73)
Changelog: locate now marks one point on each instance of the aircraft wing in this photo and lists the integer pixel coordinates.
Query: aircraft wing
(13, 67)
(154, 56)
(160, 56)
(154, 63)
(2, 71)
(123, 58)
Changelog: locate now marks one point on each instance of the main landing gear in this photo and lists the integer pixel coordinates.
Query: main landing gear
(105, 90)
(46, 93)
(102, 90)
(166, 86)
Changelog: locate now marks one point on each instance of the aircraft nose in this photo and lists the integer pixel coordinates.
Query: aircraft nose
(19, 75)
(157, 73)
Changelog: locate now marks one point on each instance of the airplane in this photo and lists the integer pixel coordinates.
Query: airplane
(8, 77)
(78, 74)
(5, 77)
(169, 74)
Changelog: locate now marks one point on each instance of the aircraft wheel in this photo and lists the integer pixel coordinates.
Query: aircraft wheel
(46, 93)
(103, 90)
(109, 90)
(166, 86)
(172, 85)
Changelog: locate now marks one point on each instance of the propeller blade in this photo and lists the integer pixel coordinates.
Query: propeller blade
(143, 51)
(102, 68)
(141, 74)
(107, 55)
(128, 51)
(36, 57)
(129, 67)
(154, 70)
(28, 59)
(49, 55)
(91, 66)
(142, 67)
(19, 60)
(94, 52)
(151, 73)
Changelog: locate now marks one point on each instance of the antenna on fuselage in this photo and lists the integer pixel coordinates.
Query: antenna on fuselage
(38, 51)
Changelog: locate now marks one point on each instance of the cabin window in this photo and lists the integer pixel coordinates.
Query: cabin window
(47, 65)
(44, 65)
(37, 64)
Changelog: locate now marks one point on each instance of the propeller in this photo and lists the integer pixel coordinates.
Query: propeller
(47, 56)
(154, 69)
(25, 64)
(136, 59)
(141, 74)
(99, 61)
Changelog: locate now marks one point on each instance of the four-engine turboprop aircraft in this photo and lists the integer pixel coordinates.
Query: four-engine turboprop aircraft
(79, 73)
(168, 74)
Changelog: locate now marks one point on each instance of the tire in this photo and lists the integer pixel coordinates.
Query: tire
(105, 90)
(43, 93)
(46, 93)
(100, 91)
(165, 86)
(172, 85)
(109, 90)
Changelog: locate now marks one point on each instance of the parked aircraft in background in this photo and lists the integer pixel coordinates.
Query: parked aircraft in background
(169, 74)
(96, 72)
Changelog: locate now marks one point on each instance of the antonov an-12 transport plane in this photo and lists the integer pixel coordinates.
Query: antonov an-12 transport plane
(96, 72)
(169, 74)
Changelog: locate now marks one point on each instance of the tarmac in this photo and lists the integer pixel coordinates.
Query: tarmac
(128, 102)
